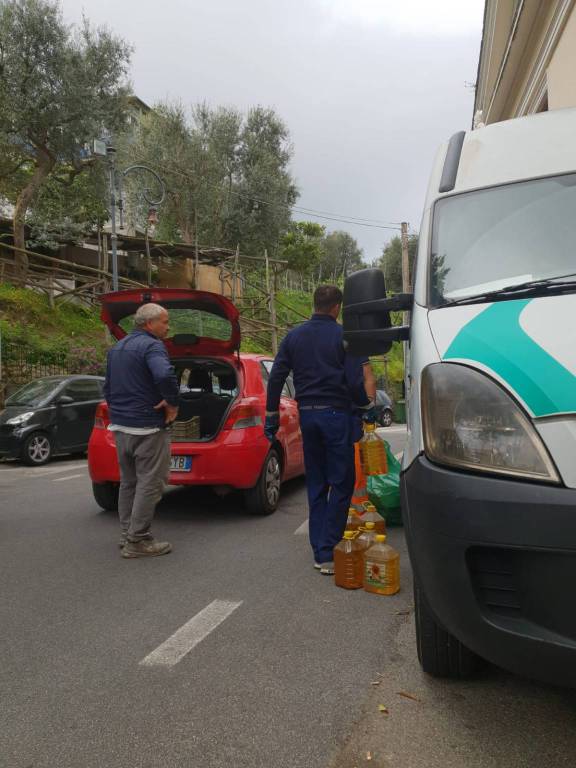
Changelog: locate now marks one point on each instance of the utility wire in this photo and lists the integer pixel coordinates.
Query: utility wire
(298, 209)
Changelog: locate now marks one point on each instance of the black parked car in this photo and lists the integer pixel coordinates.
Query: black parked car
(49, 416)
(384, 408)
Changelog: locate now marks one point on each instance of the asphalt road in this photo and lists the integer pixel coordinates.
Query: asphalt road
(280, 666)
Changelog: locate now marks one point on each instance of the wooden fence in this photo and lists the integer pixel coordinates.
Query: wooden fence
(60, 280)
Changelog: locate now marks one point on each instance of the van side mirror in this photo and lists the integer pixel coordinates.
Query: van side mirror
(368, 329)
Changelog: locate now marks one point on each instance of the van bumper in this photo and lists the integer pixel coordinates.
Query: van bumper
(496, 560)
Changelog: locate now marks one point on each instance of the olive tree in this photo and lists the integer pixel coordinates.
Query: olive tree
(60, 87)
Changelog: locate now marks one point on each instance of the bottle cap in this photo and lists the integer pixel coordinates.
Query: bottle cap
(349, 535)
(380, 537)
(369, 427)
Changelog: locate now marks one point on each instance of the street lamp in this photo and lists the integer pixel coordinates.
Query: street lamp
(153, 202)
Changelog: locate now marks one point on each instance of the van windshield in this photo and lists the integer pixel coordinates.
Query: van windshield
(499, 237)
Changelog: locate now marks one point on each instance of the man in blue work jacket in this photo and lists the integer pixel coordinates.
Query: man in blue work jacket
(142, 394)
(328, 387)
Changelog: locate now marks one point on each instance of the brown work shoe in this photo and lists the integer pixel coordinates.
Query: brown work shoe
(146, 548)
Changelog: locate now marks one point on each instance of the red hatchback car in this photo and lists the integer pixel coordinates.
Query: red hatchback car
(218, 437)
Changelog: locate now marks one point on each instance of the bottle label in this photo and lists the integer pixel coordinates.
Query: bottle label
(377, 574)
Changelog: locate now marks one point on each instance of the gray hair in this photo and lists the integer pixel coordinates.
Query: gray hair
(146, 313)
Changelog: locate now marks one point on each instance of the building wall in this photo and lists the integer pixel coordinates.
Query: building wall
(562, 68)
(527, 60)
(180, 274)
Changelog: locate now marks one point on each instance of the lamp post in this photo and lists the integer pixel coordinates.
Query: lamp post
(111, 153)
(151, 221)
(153, 202)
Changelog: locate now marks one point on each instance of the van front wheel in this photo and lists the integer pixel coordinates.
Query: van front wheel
(440, 653)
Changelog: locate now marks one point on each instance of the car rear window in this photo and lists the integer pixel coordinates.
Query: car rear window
(194, 322)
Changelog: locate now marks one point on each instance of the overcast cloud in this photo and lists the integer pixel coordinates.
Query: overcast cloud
(368, 88)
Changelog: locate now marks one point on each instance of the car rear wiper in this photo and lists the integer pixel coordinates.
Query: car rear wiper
(529, 288)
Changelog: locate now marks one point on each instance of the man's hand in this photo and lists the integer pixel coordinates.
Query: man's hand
(272, 425)
(171, 410)
(369, 413)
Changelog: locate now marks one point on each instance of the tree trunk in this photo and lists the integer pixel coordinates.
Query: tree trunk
(44, 165)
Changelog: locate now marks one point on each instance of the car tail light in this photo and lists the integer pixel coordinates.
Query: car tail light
(245, 413)
(102, 418)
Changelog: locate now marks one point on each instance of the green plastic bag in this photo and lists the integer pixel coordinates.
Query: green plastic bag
(384, 490)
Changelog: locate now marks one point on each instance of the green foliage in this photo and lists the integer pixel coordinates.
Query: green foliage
(27, 319)
(391, 262)
(342, 255)
(64, 211)
(89, 360)
(316, 255)
(293, 307)
(219, 166)
(59, 87)
(302, 246)
(254, 346)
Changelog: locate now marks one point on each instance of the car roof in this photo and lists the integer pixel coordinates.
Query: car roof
(255, 356)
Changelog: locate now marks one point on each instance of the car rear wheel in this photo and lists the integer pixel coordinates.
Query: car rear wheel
(386, 418)
(106, 495)
(37, 449)
(264, 497)
(440, 653)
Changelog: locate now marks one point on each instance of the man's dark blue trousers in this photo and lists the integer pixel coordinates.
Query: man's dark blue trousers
(329, 461)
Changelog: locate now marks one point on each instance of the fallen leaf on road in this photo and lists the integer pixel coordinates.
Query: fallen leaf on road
(408, 696)
(383, 709)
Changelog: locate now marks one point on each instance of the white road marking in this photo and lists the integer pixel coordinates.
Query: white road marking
(301, 528)
(29, 472)
(190, 634)
(56, 470)
(63, 479)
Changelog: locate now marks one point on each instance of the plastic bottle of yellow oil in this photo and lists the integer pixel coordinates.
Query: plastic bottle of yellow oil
(371, 515)
(354, 521)
(367, 534)
(348, 562)
(372, 452)
(381, 568)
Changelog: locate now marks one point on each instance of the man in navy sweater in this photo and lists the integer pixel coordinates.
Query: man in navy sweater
(328, 386)
(142, 394)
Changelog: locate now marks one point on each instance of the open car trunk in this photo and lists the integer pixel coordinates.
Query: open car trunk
(207, 390)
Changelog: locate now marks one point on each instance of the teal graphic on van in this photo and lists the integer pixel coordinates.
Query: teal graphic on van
(495, 339)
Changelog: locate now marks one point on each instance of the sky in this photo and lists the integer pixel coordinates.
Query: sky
(368, 88)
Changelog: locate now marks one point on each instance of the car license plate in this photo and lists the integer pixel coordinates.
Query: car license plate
(181, 463)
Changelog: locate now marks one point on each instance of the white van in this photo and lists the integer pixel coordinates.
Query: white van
(489, 471)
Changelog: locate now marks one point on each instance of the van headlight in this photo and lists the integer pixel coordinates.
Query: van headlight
(470, 422)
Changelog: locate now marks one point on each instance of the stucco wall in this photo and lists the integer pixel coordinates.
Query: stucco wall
(561, 72)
